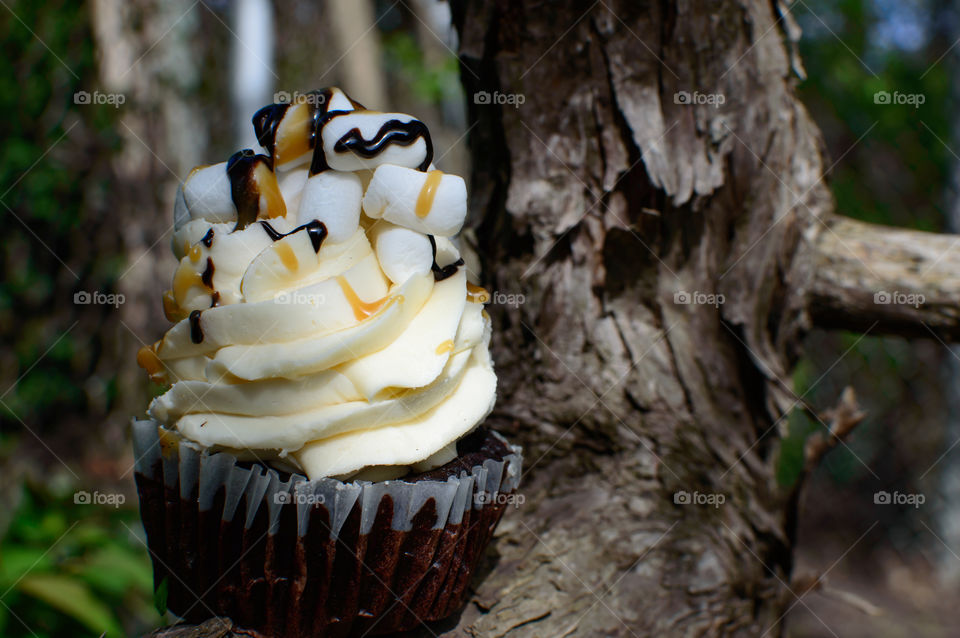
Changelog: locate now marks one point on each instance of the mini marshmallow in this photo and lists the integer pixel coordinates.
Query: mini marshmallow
(291, 185)
(333, 198)
(207, 195)
(286, 130)
(401, 252)
(356, 140)
(432, 203)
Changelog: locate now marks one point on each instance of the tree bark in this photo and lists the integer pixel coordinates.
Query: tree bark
(607, 201)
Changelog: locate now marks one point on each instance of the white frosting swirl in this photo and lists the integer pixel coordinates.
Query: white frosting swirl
(293, 347)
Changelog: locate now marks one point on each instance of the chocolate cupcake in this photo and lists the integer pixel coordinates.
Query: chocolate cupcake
(316, 466)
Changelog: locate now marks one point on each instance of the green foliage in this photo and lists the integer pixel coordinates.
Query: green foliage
(404, 61)
(72, 570)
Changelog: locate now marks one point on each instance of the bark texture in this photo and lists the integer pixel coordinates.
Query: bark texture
(618, 192)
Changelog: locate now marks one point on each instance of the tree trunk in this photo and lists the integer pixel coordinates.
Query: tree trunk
(659, 156)
(656, 207)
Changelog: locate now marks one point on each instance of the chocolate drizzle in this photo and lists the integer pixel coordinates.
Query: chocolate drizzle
(196, 332)
(244, 189)
(391, 132)
(207, 276)
(266, 121)
(442, 272)
(316, 230)
(207, 239)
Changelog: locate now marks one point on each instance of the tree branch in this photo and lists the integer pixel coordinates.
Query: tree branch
(860, 276)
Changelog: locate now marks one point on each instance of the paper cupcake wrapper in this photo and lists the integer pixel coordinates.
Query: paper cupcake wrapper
(297, 558)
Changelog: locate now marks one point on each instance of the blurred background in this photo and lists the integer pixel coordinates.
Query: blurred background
(109, 103)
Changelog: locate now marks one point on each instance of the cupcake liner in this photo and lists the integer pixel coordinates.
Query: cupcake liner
(296, 558)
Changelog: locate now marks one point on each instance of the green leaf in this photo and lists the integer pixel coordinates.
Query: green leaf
(73, 598)
(160, 597)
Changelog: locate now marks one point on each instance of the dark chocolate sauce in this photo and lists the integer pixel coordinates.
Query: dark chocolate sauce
(196, 333)
(391, 132)
(243, 185)
(266, 121)
(442, 272)
(215, 298)
(316, 230)
(207, 276)
(207, 239)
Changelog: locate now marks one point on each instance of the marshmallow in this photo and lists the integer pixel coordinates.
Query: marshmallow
(181, 214)
(402, 252)
(207, 195)
(355, 140)
(432, 203)
(291, 185)
(287, 130)
(333, 198)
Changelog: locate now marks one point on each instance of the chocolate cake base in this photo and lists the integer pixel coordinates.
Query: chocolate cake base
(286, 585)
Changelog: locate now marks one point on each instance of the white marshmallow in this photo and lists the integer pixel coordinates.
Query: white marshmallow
(402, 252)
(333, 198)
(393, 194)
(291, 185)
(206, 194)
(369, 123)
(338, 101)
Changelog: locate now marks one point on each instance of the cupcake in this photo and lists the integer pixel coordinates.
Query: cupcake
(317, 465)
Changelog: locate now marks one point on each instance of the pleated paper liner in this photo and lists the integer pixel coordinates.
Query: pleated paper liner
(294, 558)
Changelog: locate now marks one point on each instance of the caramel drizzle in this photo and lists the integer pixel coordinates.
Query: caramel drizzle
(477, 294)
(427, 192)
(300, 130)
(361, 309)
(445, 347)
(148, 360)
(252, 178)
(287, 257)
